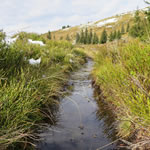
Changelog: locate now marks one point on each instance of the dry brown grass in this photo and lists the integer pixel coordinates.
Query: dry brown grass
(123, 19)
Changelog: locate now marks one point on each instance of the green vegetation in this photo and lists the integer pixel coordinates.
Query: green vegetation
(122, 71)
(115, 35)
(28, 92)
(141, 26)
(128, 28)
(123, 74)
(122, 30)
(119, 35)
(103, 37)
(86, 37)
(137, 30)
(67, 38)
(64, 27)
(49, 35)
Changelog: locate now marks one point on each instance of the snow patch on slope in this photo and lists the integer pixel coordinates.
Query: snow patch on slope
(36, 42)
(102, 23)
(66, 29)
(90, 24)
(10, 40)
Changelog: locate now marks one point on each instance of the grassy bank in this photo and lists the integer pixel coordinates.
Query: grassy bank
(28, 92)
(122, 71)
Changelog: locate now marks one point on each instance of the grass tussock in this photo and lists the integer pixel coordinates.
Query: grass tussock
(28, 92)
(123, 74)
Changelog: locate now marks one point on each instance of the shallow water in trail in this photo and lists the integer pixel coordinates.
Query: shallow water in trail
(81, 124)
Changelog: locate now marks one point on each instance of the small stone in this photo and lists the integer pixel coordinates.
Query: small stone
(94, 136)
(43, 75)
(82, 133)
(81, 127)
(71, 139)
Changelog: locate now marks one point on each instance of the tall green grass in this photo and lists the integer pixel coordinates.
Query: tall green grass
(28, 93)
(123, 74)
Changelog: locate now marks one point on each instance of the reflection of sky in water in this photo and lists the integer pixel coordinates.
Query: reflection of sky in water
(79, 126)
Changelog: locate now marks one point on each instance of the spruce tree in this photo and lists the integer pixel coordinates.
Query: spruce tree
(49, 35)
(63, 27)
(77, 38)
(91, 37)
(82, 37)
(61, 38)
(111, 37)
(103, 37)
(128, 28)
(122, 30)
(137, 30)
(137, 17)
(67, 38)
(114, 35)
(118, 35)
(95, 39)
(86, 36)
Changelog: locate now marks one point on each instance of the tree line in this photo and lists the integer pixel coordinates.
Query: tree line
(141, 24)
(90, 37)
(87, 37)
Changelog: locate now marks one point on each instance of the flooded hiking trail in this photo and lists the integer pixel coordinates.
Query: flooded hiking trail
(79, 126)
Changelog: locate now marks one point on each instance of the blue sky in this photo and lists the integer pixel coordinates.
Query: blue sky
(43, 15)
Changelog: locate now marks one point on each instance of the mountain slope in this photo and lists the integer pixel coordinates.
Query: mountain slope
(110, 24)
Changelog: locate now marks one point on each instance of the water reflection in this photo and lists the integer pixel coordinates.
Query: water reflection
(81, 125)
(104, 113)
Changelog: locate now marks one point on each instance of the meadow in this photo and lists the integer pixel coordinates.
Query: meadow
(122, 72)
(33, 77)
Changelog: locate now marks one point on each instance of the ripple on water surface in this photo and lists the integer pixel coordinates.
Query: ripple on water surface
(79, 126)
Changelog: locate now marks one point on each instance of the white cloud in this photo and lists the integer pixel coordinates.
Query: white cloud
(43, 15)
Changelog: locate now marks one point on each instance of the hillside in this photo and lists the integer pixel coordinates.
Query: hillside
(110, 24)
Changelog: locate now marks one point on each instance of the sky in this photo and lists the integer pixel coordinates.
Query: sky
(43, 15)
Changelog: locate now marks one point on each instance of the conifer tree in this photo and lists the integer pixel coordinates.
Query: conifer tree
(49, 35)
(111, 38)
(67, 38)
(103, 37)
(63, 27)
(91, 36)
(137, 17)
(82, 37)
(122, 30)
(114, 35)
(95, 39)
(86, 36)
(148, 11)
(128, 28)
(77, 38)
(61, 38)
(137, 30)
(118, 35)
(89, 39)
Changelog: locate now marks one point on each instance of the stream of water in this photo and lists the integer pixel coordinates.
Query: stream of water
(80, 125)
